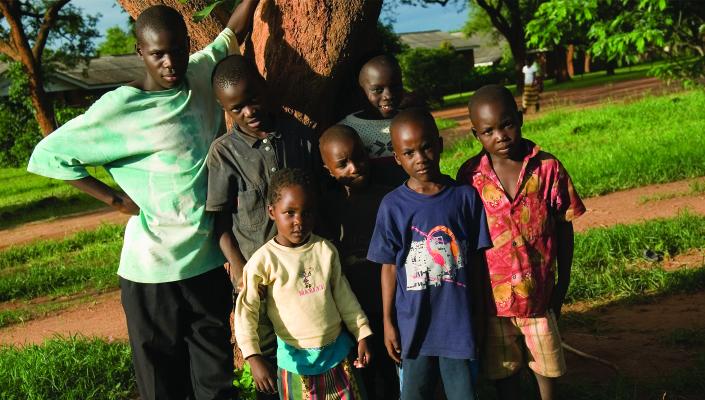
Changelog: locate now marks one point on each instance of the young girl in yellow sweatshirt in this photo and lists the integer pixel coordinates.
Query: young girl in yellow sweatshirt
(308, 300)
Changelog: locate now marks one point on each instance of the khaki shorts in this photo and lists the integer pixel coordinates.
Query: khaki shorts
(508, 338)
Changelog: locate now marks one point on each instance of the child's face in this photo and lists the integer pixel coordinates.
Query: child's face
(418, 150)
(383, 88)
(165, 56)
(498, 128)
(346, 160)
(294, 215)
(245, 104)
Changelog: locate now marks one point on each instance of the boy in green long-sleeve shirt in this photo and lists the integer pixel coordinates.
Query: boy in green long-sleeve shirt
(152, 135)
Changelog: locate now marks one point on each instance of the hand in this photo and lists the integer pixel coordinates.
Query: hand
(391, 342)
(124, 204)
(262, 373)
(364, 355)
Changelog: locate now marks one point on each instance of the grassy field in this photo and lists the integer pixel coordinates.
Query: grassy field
(578, 82)
(617, 146)
(26, 197)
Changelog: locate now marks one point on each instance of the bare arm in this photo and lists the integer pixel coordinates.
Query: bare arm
(241, 19)
(230, 247)
(95, 188)
(391, 334)
(564, 244)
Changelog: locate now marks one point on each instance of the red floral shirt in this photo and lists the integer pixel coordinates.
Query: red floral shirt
(522, 261)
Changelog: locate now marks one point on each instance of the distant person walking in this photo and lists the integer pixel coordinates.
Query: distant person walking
(532, 88)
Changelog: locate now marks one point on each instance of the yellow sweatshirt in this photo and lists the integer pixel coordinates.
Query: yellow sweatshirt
(307, 297)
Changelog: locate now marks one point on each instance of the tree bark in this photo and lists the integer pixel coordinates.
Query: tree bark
(304, 48)
(559, 53)
(569, 60)
(586, 68)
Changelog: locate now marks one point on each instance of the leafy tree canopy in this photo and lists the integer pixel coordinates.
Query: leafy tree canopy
(117, 42)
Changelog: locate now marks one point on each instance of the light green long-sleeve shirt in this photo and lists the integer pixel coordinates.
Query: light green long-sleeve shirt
(154, 144)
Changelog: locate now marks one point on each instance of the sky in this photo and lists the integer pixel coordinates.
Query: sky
(407, 18)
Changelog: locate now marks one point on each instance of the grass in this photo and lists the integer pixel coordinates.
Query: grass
(578, 82)
(604, 265)
(443, 123)
(616, 146)
(67, 368)
(87, 260)
(695, 188)
(26, 197)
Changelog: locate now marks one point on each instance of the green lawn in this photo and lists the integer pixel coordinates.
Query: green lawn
(617, 146)
(578, 81)
(26, 197)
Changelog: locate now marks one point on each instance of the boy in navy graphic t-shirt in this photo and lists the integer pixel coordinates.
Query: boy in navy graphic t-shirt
(428, 236)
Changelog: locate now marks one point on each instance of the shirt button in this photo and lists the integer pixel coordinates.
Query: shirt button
(264, 140)
(514, 243)
(274, 169)
(267, 148)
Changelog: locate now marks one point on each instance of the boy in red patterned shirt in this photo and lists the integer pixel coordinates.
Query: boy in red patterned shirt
(530, 202)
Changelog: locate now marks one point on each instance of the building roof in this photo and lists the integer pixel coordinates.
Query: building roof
(100, 73)
(434, 39)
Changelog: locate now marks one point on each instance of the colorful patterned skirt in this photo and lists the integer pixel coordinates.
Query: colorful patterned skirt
(530, 97)
(342, 382)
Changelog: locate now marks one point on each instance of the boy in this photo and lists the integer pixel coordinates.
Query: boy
(381, 84)
(349, 208)
(428, 236)
(152, 136)
(530, 202)
(240, 166)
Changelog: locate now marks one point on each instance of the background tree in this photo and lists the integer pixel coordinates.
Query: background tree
(32, 27)
(117, 42)
(431, 73)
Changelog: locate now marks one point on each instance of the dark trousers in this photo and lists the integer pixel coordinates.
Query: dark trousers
(180, 336)
(420, 378)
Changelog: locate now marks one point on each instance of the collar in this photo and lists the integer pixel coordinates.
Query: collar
(253, 141)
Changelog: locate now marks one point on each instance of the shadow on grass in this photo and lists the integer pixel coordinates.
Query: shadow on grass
(46, 208)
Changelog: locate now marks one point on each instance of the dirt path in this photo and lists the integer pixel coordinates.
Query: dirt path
(573, 98)
(59, 228)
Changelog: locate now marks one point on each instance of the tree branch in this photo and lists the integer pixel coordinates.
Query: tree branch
(7, 49)
(496, 16)
(50, 17)
(12, 13)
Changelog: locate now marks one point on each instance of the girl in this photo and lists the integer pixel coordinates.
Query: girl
(307, 299)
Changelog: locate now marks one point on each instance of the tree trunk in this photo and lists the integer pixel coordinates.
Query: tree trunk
(43, 107)
(586, 68)
(569, 60)
(304, 48)
(561, 65)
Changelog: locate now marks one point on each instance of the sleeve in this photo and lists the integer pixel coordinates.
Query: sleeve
(479, 218)
(565, 200)
(386, 240)
(349, 308)
(247, 306)
(222, 182)
(203, 61)
(84, 141)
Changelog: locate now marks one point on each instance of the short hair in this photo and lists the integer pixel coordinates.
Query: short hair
(491, 94)
(384, 60)
(337, 132)
(416, 115)
(231, 70)
(288, 177)
(159, 18)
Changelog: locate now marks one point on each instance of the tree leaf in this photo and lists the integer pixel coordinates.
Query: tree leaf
(206, 11)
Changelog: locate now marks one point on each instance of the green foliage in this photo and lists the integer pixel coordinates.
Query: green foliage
(67, 369)
(117, 42)
(389, 42)
(433, 72)
(618, 146)
(59, 267)
(443, 123)
(244, 383)
(628, 30)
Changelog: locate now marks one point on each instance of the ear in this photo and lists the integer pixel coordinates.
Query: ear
(138, 50)
(396, 158)
(270, 211)
(440, 144)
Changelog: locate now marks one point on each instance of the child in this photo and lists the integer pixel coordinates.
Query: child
(530, 202)
(308, 298)
(241, 164)
(380, 81)
(152, 136)
(349, 208)
(428, 236)
(532, 85)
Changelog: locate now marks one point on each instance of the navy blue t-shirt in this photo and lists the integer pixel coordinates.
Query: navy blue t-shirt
(429, 238)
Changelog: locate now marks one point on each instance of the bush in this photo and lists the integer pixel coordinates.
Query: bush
(432, 73)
